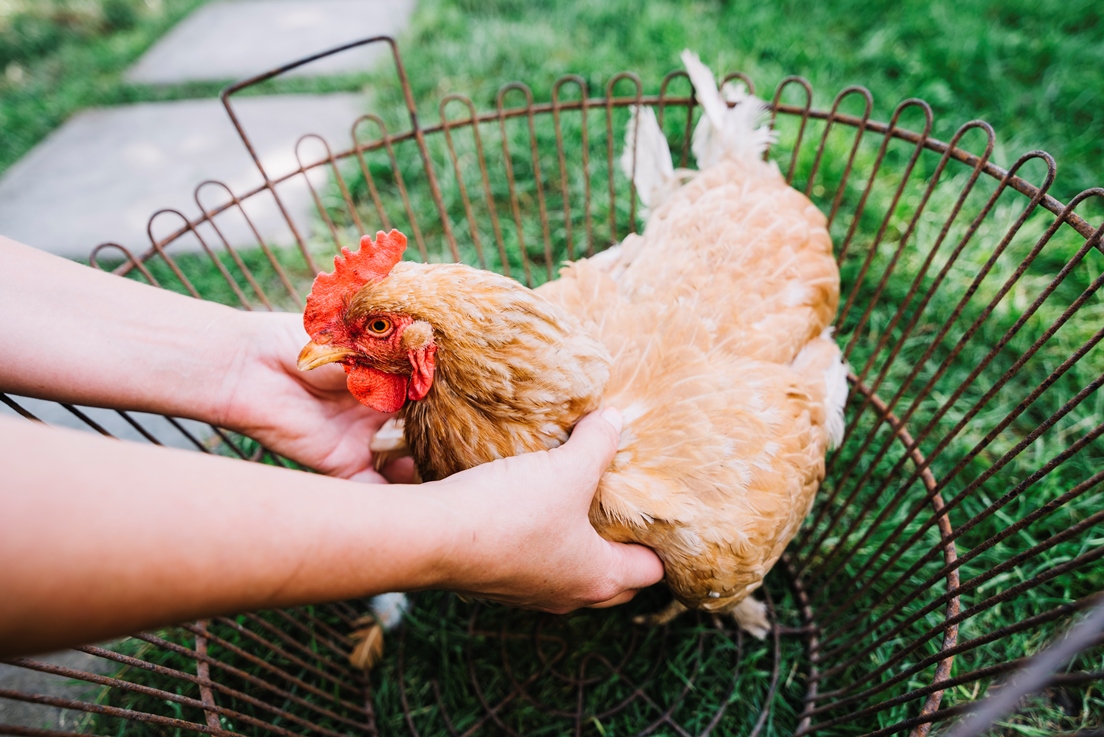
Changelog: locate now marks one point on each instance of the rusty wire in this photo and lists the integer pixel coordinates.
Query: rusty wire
(965, 483)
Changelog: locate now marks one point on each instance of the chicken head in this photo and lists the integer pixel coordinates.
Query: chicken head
(389, 356)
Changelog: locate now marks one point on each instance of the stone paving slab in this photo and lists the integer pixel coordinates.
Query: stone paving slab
(41, 716)
(102, 175)
(235, 40)
(55, 415)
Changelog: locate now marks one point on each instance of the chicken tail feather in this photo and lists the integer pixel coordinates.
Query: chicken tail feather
(646, 159)
(836, 381)
(821, 358)
(741, 132)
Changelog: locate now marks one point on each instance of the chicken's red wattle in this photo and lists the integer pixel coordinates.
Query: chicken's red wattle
(377, 389)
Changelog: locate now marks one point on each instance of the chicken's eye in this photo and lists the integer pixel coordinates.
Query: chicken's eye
(379, 326)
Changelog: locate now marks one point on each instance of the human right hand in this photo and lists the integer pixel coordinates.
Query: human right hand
(522, 535)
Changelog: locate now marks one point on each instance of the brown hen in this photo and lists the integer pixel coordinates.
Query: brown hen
(709, 332)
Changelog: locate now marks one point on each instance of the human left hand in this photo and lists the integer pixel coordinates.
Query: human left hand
(309, 417)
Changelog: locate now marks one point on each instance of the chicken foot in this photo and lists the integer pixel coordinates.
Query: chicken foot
(750, 615)
(663, 616)
(387, 612)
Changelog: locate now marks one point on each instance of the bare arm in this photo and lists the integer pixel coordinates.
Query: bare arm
(79, 335)
(102, 538)
(85, 336)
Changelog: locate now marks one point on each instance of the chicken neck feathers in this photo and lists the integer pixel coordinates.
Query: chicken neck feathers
(514, 371)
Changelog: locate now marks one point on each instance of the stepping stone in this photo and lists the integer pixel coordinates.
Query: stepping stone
(169, 435)
(42, 716)
(102, 175)
(235, 40)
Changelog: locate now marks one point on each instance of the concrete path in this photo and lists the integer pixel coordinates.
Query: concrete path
(41, 716)
(102, 175)
(235, 40)
(106, 171)
(167, 434)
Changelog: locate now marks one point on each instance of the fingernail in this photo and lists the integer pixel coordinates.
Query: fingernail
(613, 417)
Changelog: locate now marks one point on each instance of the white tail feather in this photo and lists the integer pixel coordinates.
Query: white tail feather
(705, 86)
(821, 356)
(724, 133)
(646, 159)
(835, 397)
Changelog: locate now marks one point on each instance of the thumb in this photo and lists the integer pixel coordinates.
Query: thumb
(636, 566)
(592, 445)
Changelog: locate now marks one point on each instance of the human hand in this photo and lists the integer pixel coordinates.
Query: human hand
(522, 535)
(309, 417)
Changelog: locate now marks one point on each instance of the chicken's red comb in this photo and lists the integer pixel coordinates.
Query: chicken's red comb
(372, 263)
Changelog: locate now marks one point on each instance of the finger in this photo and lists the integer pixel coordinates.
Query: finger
(368, 476)
(622, 598)
(612, 415)
(400, 471)
(636, 566)
(592, 444)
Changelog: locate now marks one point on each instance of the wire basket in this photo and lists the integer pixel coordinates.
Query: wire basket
(958, 528)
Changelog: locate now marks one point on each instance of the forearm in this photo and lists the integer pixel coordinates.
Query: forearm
(122, 344)
(122, 537)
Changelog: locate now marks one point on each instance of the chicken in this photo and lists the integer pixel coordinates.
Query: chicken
(709, 331)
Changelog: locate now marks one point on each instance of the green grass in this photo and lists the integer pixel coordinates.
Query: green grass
(451, 656)
(1034, 71)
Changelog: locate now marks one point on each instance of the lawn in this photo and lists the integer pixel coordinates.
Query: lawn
(1035, 70)
(59, 57)
(938, 318)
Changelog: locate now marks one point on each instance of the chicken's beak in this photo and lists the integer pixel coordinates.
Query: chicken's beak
(314, 355)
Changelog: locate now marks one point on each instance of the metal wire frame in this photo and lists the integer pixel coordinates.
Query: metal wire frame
(969, 302)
